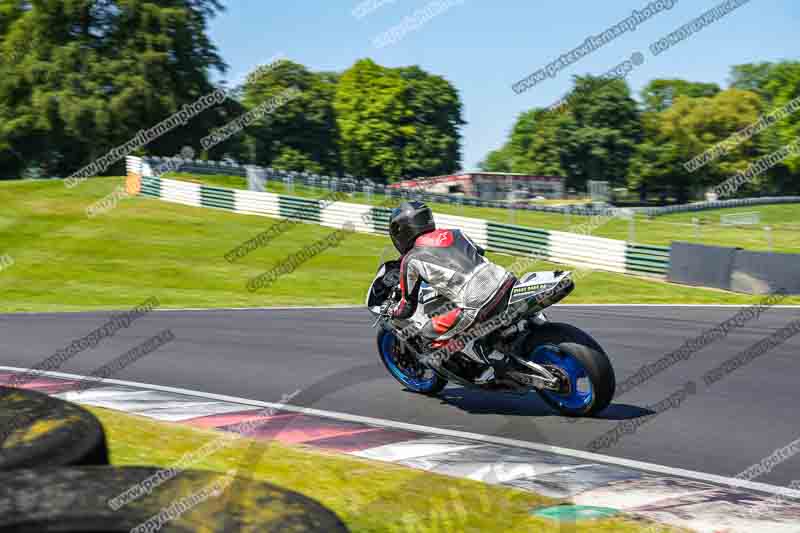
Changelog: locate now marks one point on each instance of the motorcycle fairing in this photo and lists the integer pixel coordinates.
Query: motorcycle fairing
(529, 286)
(387, 277)
(535, 283)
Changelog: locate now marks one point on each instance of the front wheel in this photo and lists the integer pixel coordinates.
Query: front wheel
(404, 367)
(588, 378)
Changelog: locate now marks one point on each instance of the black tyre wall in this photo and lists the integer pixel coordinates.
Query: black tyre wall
(76, 500)
(37, 430)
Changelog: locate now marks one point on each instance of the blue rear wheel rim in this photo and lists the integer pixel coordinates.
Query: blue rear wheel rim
(581, 392)
(412, 382)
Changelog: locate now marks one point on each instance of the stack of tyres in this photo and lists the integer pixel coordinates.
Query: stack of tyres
(55, 476)
(37, 430)
(77, 499)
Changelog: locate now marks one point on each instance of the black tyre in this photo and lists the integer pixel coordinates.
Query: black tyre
(405, 369)
(38, 430)
(109, 499)
(581, 359)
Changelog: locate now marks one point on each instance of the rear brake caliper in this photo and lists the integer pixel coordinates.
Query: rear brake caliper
(564, 383)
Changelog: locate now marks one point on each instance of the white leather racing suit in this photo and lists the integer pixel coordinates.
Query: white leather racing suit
(451, 263)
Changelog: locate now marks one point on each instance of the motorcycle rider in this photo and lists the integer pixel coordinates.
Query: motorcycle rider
(452, 264)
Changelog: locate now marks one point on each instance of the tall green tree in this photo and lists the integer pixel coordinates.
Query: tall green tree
(397, 122)
(163, 62)
(778, 84)
(301, 134)
(599, 132)
(497, 160)
(534, 143)
(431, 144)
(593, 138)
(752, 77)
(659, 94)
(78, 78)
(781, 87)
(370, 109)
(686, 129)
(532, 147)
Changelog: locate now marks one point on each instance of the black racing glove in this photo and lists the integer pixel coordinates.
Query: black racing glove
(387, 308)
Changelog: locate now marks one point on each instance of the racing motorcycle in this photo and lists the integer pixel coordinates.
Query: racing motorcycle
(516, 351)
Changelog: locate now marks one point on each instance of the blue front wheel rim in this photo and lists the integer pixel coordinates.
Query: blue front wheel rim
(416, 383)
(581, 391)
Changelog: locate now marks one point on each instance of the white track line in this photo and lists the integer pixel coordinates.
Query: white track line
(580, 454)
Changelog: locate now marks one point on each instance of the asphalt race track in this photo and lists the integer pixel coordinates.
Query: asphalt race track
(330, 355)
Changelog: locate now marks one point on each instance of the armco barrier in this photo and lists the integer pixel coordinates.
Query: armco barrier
(556, 246)
(701, 265)
(517, 239)
(217, 197)
(647, 259)
(734, 269)
(765, 272)
(474, 227)
(720, 204)
(594, 252)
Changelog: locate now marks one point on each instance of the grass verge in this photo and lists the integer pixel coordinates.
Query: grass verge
(66, 261)
(368, 496)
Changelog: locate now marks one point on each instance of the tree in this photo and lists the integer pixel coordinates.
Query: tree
(599, 132)
(497, 160)
(301, 132)
(162, 60)
(659, 94)
(687, 129)
(432, 140)
(397, 122)
(534, 143)
(370, 108)
(778, 84)
(532, 147)
(781, 87)
(656, 166)
(289, 158)
(81, 77)
(752, 77)
(593, 138)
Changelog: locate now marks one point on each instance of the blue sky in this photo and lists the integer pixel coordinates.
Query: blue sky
(484, 46)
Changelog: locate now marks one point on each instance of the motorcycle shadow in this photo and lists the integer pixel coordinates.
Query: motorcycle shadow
(623, 411)
(475, 401)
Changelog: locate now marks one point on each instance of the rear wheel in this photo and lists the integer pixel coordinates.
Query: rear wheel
(404, 367)
(588, 378)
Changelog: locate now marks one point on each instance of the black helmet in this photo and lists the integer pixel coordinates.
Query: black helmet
(408, 222)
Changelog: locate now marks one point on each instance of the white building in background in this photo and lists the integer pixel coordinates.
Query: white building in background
(488, 185)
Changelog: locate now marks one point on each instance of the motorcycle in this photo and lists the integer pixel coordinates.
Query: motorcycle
(518, 350)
